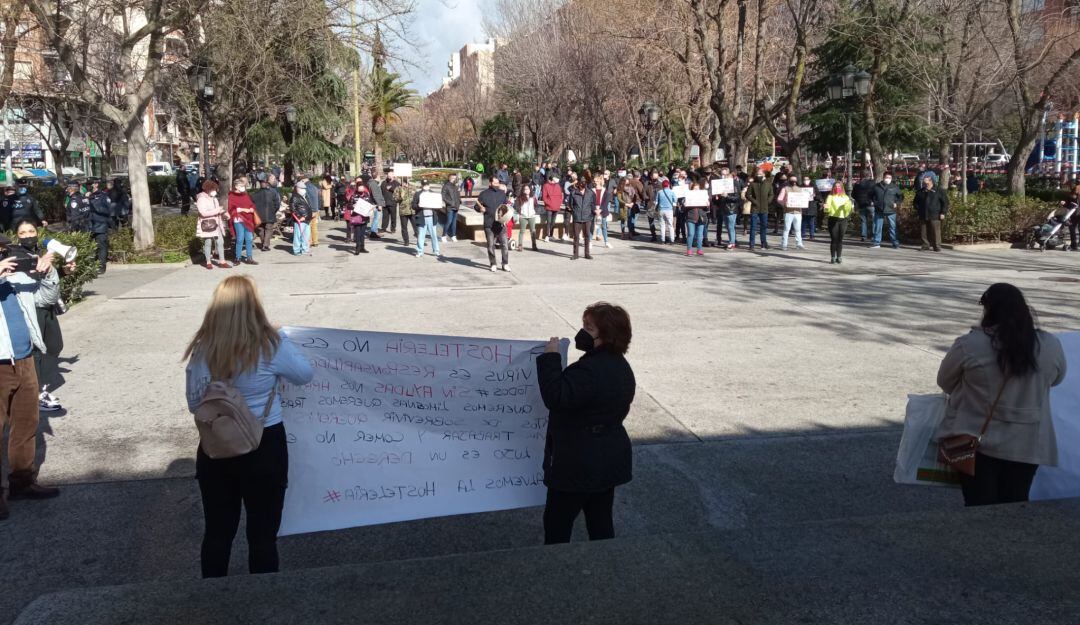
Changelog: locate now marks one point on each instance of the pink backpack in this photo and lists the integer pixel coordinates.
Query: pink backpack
(227, 428)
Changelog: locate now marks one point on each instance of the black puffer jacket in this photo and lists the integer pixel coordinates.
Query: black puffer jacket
(587, 448)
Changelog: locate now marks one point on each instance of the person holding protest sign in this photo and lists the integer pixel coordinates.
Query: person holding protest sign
(792, 201)
(236, 342)
(587, 452)
(998, 377)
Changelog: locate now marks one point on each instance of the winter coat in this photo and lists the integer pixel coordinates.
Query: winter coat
(376, 193)
(301, 210)
(266, 204)
(236, 202)
(552, 196)
(388, 187)
(886, 198)
(209, 225)
(582, 203)
(931, 205)
(760, 195)
(101, 212)
(325, 189)
(863, 193)
(1021, 429)
(490, 199)
(312, 196)
(451, 196)
(839, 206)
(78, 212)
(587, 448)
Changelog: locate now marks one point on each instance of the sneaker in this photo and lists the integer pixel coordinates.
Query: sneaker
(700, 253)
(783, 248)
(48, 403)
(494, 268)
(506, 267)
(689, 253)
(608, 245)
(800, 247)
(419, 254)
(209, 265)
(454, 238)
(444, 239)
(731, 246)
(875, 247)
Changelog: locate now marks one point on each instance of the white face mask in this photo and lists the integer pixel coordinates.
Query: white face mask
(888, 181)
(241, 189)
(213, 194)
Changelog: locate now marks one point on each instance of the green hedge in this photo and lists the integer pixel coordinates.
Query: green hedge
(174, 237)
(986, 216)
(51, 202)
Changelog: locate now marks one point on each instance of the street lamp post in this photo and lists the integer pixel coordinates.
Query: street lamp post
(649, 114)
(200, 78)
(851, 82)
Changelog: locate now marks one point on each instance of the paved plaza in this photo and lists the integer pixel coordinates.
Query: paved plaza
(771, 390)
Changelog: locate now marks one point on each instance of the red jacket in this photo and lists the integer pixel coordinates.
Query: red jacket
(241, 200)
(552, 196)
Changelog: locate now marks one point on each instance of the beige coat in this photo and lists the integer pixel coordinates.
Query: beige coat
(1021, 429)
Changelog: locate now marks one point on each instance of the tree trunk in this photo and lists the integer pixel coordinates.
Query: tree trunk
(58, 163)
(142, 217)
(738, 154)
(223, 147)
(1024, 145)
(944, 154)
(964, 167)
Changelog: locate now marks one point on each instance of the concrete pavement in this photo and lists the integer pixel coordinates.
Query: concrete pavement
(771, 389)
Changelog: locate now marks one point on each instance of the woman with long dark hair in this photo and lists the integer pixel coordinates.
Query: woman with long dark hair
(998, 377)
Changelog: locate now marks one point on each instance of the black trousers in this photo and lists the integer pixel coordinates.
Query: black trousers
(258, 481)
(680, 224)
(359, 234)
(389, 218)
(406, 221)
(500, 238)
(102, 240)
(581, 229)
(48, 364)
(837, 228)
(997, 481)
(562, 509)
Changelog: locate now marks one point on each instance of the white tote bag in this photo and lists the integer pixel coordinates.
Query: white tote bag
(917, 459)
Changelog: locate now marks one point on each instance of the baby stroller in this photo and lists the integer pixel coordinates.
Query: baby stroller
(1052, 233)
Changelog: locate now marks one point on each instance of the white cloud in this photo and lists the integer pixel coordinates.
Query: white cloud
(440, 28)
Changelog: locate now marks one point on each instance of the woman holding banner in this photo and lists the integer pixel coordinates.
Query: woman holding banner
(998, 377)
(587, 452)
(237, 343)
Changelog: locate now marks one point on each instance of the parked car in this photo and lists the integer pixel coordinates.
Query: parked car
(159, 168)
(995, 160)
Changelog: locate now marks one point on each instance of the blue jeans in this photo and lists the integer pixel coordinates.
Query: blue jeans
(879, 225)
(694, 234)
(732, 239)
(867, 218)
(450, 226)
(375, 216)
(427, 229)
(759, 220)
(244, 240)
(809, 225)
(301, 238)
(603, 228)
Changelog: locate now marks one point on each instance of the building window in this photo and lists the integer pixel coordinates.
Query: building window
(24, 70)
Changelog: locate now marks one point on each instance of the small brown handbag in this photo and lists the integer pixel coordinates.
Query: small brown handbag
(959, 451)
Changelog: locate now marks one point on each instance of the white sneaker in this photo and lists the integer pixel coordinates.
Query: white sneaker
(506, 267)
(607, 244)
(454, 239)
(444, 239)
(494, 268)
(48, 403)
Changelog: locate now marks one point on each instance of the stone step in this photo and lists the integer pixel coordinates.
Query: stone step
(1007, 564)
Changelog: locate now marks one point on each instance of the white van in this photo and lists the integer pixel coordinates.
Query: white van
(160, 168)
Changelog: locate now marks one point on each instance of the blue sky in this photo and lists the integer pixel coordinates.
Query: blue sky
(441, 27)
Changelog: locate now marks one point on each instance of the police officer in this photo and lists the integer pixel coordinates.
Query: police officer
(17, 206)
(78, 208)
(101, 217)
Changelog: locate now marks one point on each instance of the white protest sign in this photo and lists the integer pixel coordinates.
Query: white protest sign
(431, 199)
(1064, 480)
(363, 207)
(680, 191)
(396, 427)
(799, 198)
(722, 186)
(403, 170)
(697, 198)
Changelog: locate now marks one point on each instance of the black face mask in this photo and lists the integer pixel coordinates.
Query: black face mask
(30, 244)
(584, 341)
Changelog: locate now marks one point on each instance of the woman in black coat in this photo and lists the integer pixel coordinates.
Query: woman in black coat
(587, 453)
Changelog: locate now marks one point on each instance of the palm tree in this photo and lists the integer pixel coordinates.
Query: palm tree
(388, 95)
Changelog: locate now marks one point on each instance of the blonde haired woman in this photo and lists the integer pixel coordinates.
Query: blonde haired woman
(236, 341)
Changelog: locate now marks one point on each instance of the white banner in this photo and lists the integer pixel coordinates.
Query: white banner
(722, 186)
(799, 198)
(397, 426)
(680, 191)
(403, 170)
(697, 198)
(431, 200)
